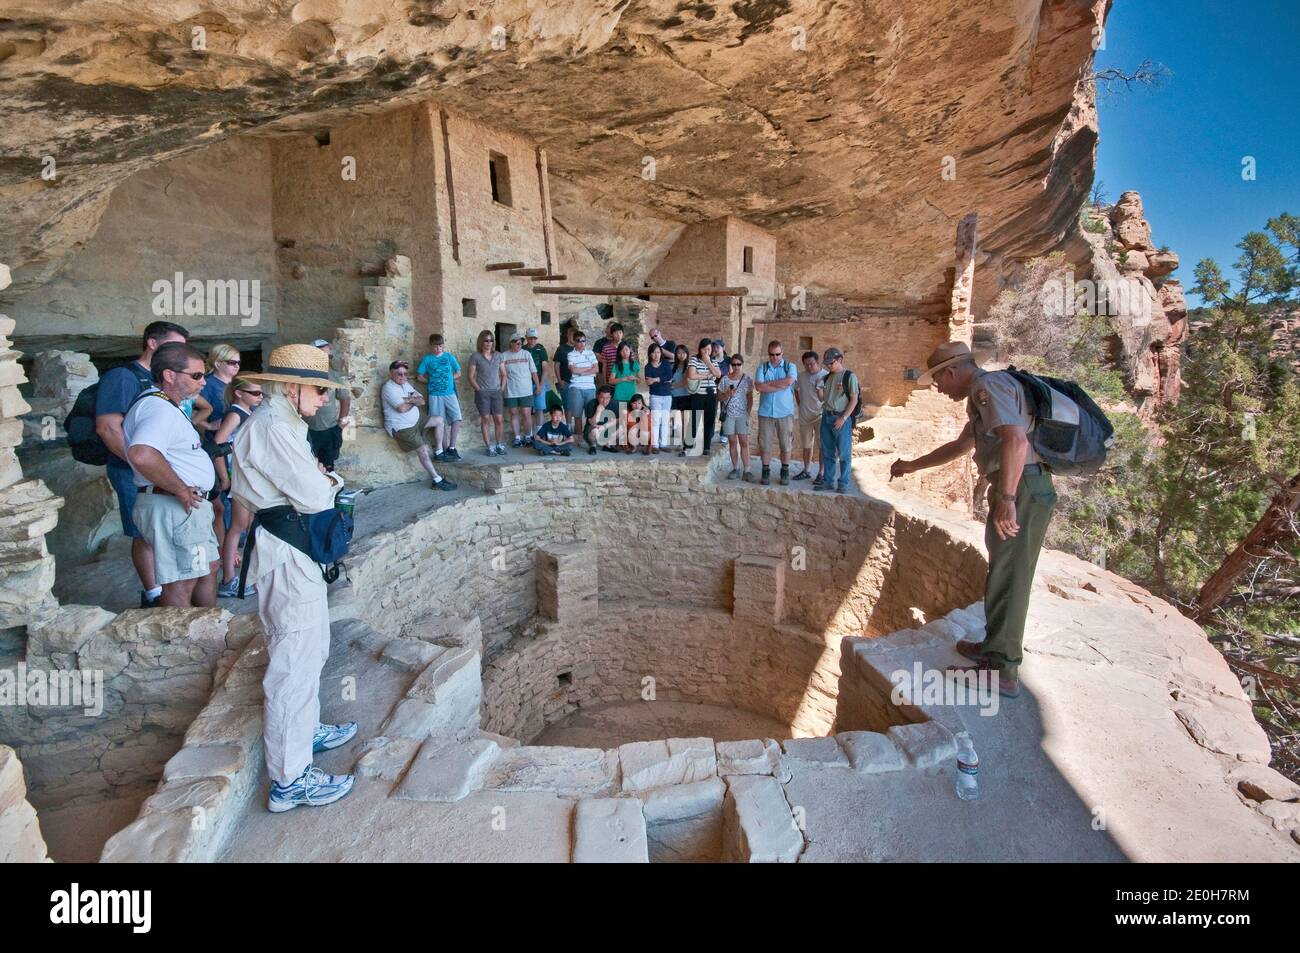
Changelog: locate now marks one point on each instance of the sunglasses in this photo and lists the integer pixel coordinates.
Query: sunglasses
(321, 391)
(231, 363)
(192, 375)
(250, 393)
(737, 364)
(774, 353)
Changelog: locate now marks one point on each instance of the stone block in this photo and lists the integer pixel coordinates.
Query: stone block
(609, 831)
(386, 758)
(159, 838)
(820, 751)
(410, 655)
(568, 772)
(757, 756)
(655, 764)
(411, 718)
(757, 824)
(758, 590)
(204, 761)
(926, 744)
(67, 630)
(241, 727)
(567, 582)
(202, 798)
(870, 752)
(447, 770)
(684, 821)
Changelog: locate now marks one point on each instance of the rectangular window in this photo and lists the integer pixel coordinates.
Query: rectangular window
(499, 173)
(546, 317)
(805, 344)
(749, 340)
(468, 308)
(747, 264)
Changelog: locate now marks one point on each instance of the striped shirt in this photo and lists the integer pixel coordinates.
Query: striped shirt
(702, 371)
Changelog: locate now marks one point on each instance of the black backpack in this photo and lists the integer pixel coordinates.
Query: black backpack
(1071, 433)
(83, 441)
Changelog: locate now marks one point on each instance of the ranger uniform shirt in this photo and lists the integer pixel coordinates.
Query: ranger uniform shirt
(995, 400)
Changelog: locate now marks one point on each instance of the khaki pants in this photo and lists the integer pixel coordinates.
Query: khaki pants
(297, 643)
(1011, 570)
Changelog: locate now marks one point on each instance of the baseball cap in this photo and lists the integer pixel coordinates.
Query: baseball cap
(320, 342)
(832, 354)
(396, 364)
(718, 343)
(516, 336)
(530, 333)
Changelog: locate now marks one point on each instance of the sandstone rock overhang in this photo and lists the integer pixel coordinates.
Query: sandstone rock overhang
(827, 124)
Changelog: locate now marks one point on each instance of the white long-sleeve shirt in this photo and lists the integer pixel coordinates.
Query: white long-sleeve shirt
(274, 466)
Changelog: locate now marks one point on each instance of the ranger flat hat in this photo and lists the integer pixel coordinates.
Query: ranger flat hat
(297, 364)
(945, 355)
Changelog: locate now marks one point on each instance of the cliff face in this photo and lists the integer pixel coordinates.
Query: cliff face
(858, 133)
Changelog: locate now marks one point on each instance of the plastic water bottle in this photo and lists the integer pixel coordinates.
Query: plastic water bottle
(968, 768)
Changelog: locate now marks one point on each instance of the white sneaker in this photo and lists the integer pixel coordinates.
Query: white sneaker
(313, 787)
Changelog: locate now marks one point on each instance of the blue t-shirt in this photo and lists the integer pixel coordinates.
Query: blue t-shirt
(777, 403)
(214, 392)
(660, 378)
(117, 388)
(439, 370)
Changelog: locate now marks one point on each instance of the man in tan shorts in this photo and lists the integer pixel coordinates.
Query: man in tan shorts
(808, 419)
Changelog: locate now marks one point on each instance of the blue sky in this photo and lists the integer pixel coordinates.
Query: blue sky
(1233, 93)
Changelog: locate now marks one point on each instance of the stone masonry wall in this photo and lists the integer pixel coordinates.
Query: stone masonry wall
(663, 595)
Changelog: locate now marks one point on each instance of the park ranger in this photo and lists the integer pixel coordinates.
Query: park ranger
(1021, 498)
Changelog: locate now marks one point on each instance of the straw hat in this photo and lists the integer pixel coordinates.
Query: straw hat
(297, 364)
(945, 355)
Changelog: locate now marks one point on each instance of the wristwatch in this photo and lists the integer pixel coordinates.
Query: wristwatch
(1007, 497)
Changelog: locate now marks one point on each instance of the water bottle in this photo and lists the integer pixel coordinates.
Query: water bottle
(968, 768)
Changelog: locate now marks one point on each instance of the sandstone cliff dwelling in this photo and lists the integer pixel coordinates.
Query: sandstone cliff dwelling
(677, 639)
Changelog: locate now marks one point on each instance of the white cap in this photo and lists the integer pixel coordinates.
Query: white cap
(530, 333)
(320, 342)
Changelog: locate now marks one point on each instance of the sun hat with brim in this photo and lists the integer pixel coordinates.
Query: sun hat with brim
(297, 364)
(945, 355)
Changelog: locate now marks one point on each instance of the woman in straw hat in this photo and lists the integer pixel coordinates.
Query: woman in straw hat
(274, 466)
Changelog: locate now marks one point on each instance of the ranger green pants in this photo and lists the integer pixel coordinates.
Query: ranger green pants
(1011, 569)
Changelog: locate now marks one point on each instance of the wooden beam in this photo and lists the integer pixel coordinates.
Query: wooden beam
(655, 292)
(551, 278)
(522, 272)
(504, 265)
(544, 193)
(451, 188)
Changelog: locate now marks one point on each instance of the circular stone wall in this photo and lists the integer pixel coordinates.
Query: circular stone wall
(669, 617)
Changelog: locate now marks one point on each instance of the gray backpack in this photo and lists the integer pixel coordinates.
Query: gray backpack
(1071, 434)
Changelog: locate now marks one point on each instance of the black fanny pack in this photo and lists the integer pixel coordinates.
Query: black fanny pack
(324, 537)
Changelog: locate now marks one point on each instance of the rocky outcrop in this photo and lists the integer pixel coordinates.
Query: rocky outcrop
(1147, 310)
(20, 831)
(790, 116)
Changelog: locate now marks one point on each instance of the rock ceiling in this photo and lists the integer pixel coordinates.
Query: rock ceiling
(827, 122)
